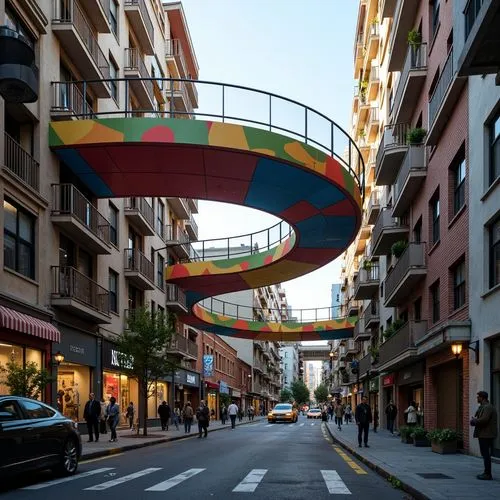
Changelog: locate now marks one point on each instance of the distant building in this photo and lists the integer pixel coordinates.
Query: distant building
(336, 300)
(289, 364)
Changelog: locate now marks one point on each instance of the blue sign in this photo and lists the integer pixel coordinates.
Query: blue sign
(208, 365)
(223, 388)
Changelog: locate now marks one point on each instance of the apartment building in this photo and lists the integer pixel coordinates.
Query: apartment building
(411, 271)
(289, 354)
(73, 265)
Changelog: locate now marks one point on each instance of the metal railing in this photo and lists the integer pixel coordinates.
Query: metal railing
(394, 136)
(143, 207)
(441, 88)
(365, 275)
(136, 261)
(193, 224)
(145, 16)
(412, 257)
(68, 282)
(314, 128)
(374, 74)
(416, 59)
(21, 163)
(365, 364)
(70, 12)
(385, 221)
(134, 62)
(372, 312)
(183, 344)
(67, 97)
(179, 89)
(175, 294)
(374, 200)
(471, 13)
(402, 340)
(374, 30)
(67, 200)
(414, 160)
(373, 117)
(173, 48)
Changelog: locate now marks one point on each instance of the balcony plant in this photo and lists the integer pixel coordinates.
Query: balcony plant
(419, 435)
(393, 328)
(367, 265)
(443, 441)
(398, 248)
(405, 433)
(374, 352)
(415, 136)
(414, 38)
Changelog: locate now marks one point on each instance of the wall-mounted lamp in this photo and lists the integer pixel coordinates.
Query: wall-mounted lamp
(456, 349)
(58, 357)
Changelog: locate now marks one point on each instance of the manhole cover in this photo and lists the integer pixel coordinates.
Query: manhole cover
(433, 475)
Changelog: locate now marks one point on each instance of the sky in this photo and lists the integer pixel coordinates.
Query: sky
(302, 50)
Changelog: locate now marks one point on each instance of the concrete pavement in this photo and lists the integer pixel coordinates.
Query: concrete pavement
(422, 473)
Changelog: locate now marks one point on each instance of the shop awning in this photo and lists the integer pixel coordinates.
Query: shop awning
(212, 385)
(24, 323)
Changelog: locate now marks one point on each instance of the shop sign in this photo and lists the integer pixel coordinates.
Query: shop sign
(190, 378)
(388, 380)
(374, 385)
(411, 375)
(113, 358)
(236, 393)
(77, 347)
(223, 388)
(208, 365)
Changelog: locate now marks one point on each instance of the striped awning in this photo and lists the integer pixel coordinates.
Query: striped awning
(19, 322)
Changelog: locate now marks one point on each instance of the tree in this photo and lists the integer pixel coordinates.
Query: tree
(142, 352)
(300, 392)
(28, 381)
(286, 395)
(321, 393)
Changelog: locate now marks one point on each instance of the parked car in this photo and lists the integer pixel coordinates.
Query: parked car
(314, 413)
(34, 436)
(283, 412)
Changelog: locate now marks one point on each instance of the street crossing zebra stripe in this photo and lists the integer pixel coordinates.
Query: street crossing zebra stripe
(251, 481)
(124, 479)
(67, 479)
(334, 483)
(174, 481)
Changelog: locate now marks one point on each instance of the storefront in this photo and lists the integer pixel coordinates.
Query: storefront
(388, 381)
(77, 375)
(236, 397)
(410, 383)
(212, 397)
(373, 385)
(114, 382)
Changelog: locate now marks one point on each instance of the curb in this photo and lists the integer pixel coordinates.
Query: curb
(379, 470)
(129, 447)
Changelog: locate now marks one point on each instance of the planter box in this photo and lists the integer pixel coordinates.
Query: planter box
(444, 448)
(421, 442)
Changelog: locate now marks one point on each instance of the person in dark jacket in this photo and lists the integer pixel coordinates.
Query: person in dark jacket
(164, 414)
(203, 417)
(391, 412)
(91, 414)
(363, 416)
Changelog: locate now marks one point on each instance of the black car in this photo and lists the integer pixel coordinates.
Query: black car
(35, 436)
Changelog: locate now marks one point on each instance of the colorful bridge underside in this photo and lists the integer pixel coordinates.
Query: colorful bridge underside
(121, 157)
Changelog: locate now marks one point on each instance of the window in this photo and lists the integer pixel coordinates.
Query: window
(14, 24)
(459, 183)
(113, 16)
(459, 285)
(113, 224)
(417, 231)
(495, 149)
(435, 302)
(19, 240)
(435, 211)
(417, 309)
(435, 7)
(36, 410)
(159, 272)
(160, 218)
(9, 408)
(495, 253)
(113, 74)
(113, 291)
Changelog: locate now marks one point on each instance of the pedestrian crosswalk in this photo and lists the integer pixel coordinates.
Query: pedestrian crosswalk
(159, 479)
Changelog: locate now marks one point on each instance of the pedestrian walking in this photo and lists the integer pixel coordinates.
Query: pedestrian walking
(188, 414)
(203, 417)
(348, 413)
(339, 415)
(252, 412)
(411, 414)
(223, 414)
(113, 417)
(130, 414)
(91, 414)
(233, 412)
(164, 414)
(176, 414)
(363, 416)
(391, 412)
(102, 417)
(485, 423)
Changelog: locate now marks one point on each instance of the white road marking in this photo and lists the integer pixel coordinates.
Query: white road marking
(269, 425)
(251, 481)
(301, 425)
(174, 481)
(334, 483)
(313, 423)
(124, 479)
(67, 479)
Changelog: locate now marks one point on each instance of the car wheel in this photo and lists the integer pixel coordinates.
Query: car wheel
(68, 463)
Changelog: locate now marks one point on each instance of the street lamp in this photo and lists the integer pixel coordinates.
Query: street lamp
(58, 357)
(456, 349)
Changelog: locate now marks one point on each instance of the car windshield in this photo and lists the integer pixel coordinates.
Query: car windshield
(283, 407)
(315, 410)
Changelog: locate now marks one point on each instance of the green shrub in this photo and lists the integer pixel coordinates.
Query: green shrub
(416, 135)
(398, 248)
(414, 37)
(405, 430)
(418, 433)
(393, 328)
(442, 435)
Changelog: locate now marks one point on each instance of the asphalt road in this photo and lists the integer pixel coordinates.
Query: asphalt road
(259, 460)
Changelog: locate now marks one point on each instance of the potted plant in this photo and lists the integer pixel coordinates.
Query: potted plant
(367, 265)
(415, 136)
(419, 435)
(414, 38)
(373, 351)
(398, 248)
(405, 433)
(393, 328)
(443, 441)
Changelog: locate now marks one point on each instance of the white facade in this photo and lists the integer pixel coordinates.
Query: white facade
(289, 364)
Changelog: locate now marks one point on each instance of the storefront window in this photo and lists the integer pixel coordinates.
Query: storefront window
(73, 388)
(159, 393)
(123, 389)
(19, 355)
(212, 402)
(33, 356)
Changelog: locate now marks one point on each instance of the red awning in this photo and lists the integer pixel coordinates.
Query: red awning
(19, 322)
(212, 385)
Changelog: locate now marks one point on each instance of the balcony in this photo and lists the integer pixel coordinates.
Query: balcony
(359, 54)
(360, 333)
(20, 163)
(71, 27)
(371, 166)
(140, 21)
(373, 83)
(80, 219)
(178, 240)
(360, 243)
(364, 109)
(365, 364)
(180, 207)
(480, 54)
(408, 271)
(373, 41)
(387, 231)
(178, 95)
(352, 347)
(410, 84)
(141, 215)
(373, 123)
(404, 17)
(192, 229)
(443, 100)
(138, 269)
(353, 307)
(373, 209)
(193, 205)
(176, 299)
(355, 100)
(387, 8)
(98, 12)
(410, 178)
(367, 281)
(400, 349)
(183, 346)
(390, 154)
(79, 295)
(372, 314)
(135, 69)
(68, 102)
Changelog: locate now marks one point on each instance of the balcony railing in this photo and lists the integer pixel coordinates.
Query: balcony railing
(175, 294)
(70, 12)
(471, 13)
(184, 345)
(67, 282)
(384, 222)
(21, 163)
(136, 261)
(372, 312)
(134, 62)
(145, 16)
(144, 208)
(393, 136)
(68, 98)
(441, 88)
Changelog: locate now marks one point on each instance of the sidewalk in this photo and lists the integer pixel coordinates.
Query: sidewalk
(128, 440)
(422, 473)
